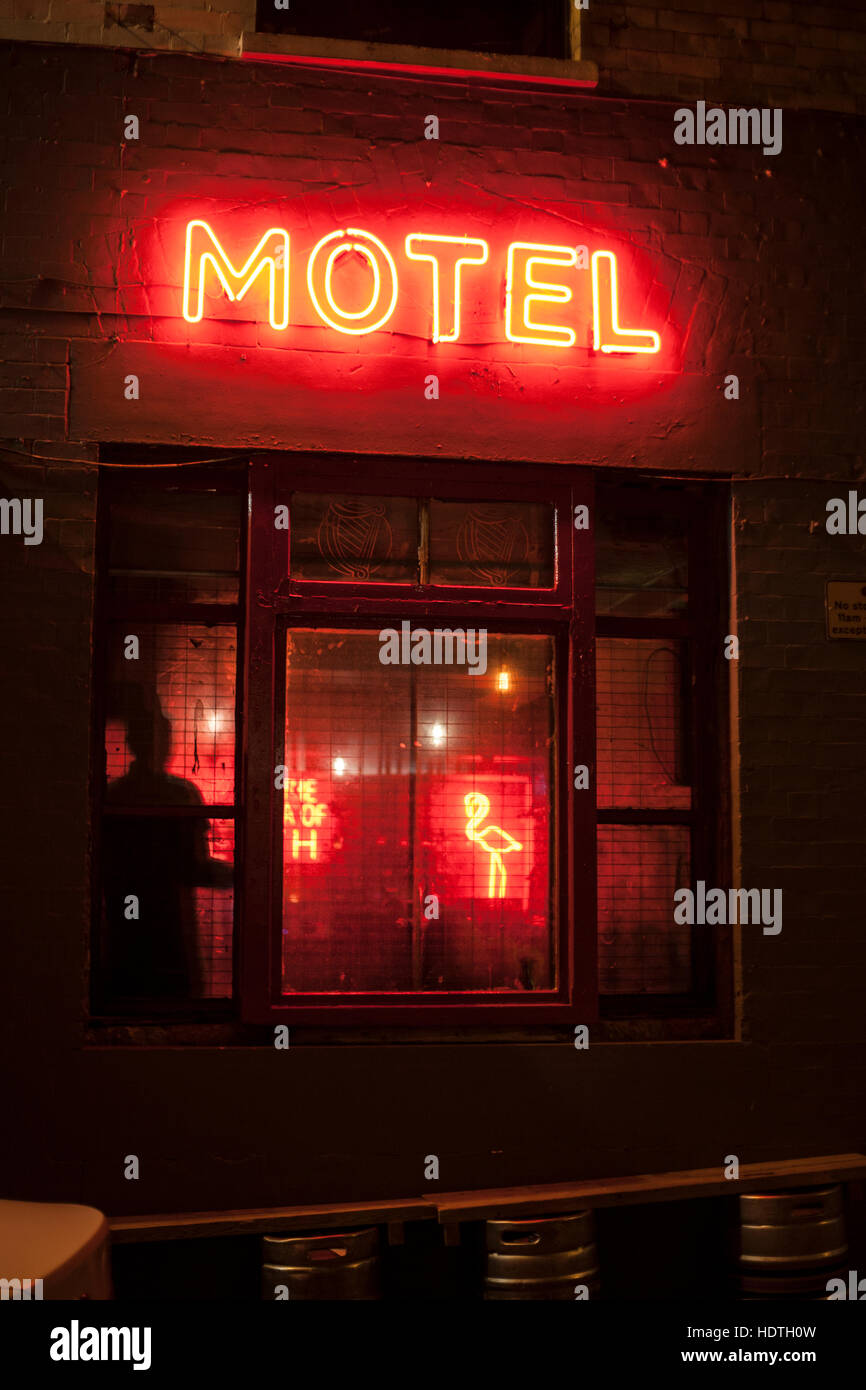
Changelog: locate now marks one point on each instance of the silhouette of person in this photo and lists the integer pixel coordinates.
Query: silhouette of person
(158, 859)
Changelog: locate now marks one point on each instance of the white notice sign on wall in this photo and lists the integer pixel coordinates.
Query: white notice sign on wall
(846, 610)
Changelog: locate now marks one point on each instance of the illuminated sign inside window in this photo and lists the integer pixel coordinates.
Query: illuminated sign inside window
(495, 841)
(306, 820)
(353, 285)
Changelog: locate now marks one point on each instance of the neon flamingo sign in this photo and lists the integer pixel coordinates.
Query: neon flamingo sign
(537, 294)
(492, 838)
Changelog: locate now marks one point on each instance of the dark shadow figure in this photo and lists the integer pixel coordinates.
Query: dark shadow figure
(158, 859)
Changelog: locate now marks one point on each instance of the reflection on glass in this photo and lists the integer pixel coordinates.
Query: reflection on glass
(641, 565)
(167, 878)
(190, 670)
(365, 539)
(492, 544)
(173, 545)
(642, 950)
(640, 698)
(166, 872)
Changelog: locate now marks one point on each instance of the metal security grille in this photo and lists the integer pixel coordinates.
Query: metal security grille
(640, 732)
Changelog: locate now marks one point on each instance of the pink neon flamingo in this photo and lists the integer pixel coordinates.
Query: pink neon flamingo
(492, 838)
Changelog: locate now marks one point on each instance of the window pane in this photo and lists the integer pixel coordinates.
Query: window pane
(170, 717)
(354, 538)
(641, 564)
(175, 545)
(537, 29)
(167, 907)
(495, 544)
(641, 949)
(640, 693)
(418, 818)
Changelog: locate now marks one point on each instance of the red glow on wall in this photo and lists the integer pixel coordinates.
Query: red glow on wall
(234, 374)
(523, 290)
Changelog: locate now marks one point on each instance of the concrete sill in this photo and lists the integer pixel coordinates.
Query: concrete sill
(297, 48)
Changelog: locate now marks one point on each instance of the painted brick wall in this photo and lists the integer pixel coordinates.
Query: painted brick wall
(753, 52)
(770, 52)
(753, 252)
(766, 259)
(196, 25)
(802, 763)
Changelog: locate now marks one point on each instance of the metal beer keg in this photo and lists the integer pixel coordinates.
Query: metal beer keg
(541, 1257)
(329, 1265)
(791, 1243)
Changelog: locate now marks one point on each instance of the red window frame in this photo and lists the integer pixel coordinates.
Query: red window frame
(275, 601)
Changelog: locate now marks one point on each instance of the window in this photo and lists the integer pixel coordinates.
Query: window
(167, 717)
(434, 656)
(659, 597)
(538, 29)
(411, 711)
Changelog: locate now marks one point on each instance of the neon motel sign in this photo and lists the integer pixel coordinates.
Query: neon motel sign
(531, 283)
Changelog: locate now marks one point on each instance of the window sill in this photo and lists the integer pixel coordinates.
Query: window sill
(299, 48)
(234, 1034)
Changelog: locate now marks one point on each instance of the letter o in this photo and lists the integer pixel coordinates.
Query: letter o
(384, 281)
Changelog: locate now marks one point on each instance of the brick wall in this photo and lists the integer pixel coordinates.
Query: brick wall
(770, 52)
(765, 258)
(753, 52)
(751, 254)
(191, 25)
(802, 760)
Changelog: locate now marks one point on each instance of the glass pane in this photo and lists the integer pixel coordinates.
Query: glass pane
(167, 907)
(641, 949)
(170, 716)
(354, 538)
(418, 816)
(641, 564)
(126, 589)
(495, 544)
(187, 544)
(640, 694)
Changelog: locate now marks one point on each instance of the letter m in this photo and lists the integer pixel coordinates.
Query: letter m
(10, 516)
(744, 127)
(203, 250)
(744, 906)
(10, 1288)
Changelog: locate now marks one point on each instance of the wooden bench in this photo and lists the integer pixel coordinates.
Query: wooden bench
(452, 1208)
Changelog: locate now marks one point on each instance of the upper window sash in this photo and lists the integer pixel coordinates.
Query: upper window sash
(275, 481)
